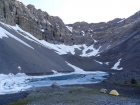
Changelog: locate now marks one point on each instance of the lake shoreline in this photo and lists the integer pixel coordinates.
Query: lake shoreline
(130, 92)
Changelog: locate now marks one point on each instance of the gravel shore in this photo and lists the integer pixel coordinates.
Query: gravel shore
(8, 98)
(80, 95)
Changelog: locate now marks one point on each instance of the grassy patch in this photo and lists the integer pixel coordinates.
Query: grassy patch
(124, 84)
(20, 102)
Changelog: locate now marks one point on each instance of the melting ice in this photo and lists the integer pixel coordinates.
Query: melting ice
(21, 82)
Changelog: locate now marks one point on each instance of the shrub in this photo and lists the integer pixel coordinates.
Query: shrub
(133, 81)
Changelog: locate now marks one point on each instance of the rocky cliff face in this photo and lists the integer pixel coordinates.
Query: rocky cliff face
(52, 29)
(118, 42)
(36, 22)
(103, 32)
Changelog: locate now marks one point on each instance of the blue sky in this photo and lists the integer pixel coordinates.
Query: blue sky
(91, 11)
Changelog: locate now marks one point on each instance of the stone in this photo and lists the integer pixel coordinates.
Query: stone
(55, 85)
(103, 90)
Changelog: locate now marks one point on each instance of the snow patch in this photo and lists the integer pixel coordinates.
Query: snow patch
(83, 33)
(2, 34)
(116, 66)
(98, 62)
(19, 68)
(70, 28)
(13, 83)
(49, 23)
(68, 49)
(93, 52)
(26, 35)
(5, 33)
(121, 20)
(108, 47)
(77, 70)
(54, 72)
(91, 30)
(42, 30)
(95, 41)
(107, 63)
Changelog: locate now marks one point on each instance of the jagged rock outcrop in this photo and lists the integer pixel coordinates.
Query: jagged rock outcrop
(52, 28)
(117, 39)
(92, 31)
(37, 22)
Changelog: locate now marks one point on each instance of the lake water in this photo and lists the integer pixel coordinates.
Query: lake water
(21, 82)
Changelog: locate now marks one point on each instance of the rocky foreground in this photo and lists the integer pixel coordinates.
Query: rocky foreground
(79, 95)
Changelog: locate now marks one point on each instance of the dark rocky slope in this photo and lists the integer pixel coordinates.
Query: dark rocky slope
(30, 55)
(119, 39)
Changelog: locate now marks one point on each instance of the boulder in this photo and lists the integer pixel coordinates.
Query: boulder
(55, 85)
(103, 90)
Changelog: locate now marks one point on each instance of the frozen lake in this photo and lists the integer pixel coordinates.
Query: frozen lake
(21, 82)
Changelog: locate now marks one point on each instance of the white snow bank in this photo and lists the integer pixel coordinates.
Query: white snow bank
(116, 66)
(54, 72)
(98, 62)
(4, 33)
(69, 28)
(68, 49)
(42, 30)
(95, 41)
(49, 23)
(121, 20)
(52, 46)
(107, 63)
(71, 49)
(93, 51)
(83, 33)
(13, 83)
(77, 70)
